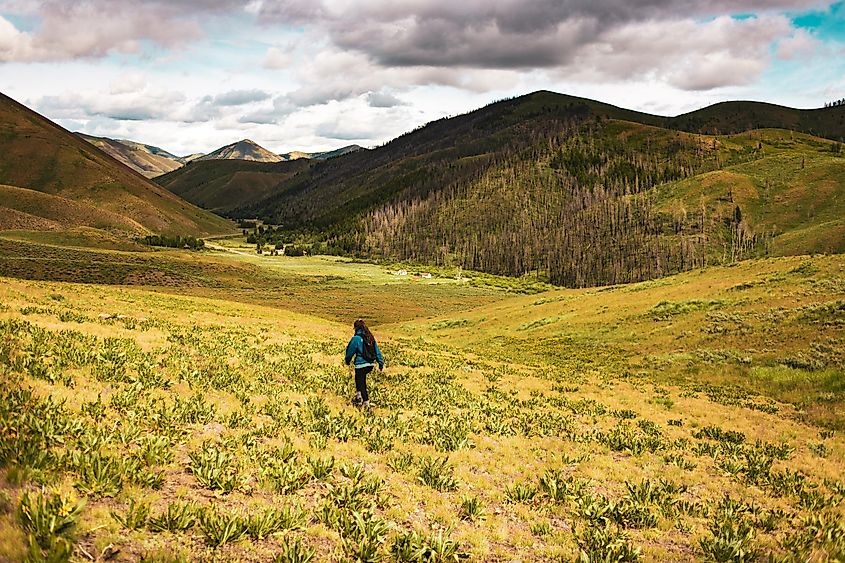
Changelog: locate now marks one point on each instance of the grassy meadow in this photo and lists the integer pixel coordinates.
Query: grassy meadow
(177, 406)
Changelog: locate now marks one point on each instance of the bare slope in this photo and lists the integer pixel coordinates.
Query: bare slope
(243, 150)
(148, 160)
(38, 155)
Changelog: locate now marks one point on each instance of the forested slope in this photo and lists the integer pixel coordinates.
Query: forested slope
(576, 191)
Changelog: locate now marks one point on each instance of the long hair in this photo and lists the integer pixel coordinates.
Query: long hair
(369, 339)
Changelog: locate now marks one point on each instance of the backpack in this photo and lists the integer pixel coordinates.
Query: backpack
(369, 352)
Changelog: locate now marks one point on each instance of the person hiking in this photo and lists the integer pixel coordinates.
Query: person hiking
(363, 347)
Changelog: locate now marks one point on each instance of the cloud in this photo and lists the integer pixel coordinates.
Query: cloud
(97, 28)
(240, 97)
(277, 59)
(137, 106)
(801, 44)
(498, 34)
(383, 100)
(686, 54)
(128, 83)
(282, 107)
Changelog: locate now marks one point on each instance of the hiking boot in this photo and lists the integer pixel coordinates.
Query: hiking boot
(366, 405)
(357, 400)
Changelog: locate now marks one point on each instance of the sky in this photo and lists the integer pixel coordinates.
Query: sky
(193, 75)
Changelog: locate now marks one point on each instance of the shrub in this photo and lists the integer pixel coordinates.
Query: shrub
(472, 509)
(178, 517)
(222, 528)
(48, 517)
(437, 474)
(135, 517)
(215, 469)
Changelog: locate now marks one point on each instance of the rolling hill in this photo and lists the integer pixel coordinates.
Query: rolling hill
(150, 161)
(225, 185)
(53, 179)
(575, 190)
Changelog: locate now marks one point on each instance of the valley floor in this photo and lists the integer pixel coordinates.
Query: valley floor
(194, 406)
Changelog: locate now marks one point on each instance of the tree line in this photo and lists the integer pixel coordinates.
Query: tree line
(580, 209)
(167, 241)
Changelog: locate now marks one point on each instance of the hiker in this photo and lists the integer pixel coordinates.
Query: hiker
(366, 353)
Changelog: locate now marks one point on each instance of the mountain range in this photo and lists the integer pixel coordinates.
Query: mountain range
(575, 190)
(572, 190)
(153, 161)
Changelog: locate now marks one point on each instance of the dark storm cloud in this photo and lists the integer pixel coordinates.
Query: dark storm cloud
(504, 33)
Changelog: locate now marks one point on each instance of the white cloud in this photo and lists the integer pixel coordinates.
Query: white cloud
(798, 46)
(196, 73)
(277, 58)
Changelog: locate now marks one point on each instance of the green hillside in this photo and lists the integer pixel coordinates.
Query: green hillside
(224, 185)
(38, 155)
(735, 117)
(571, 190)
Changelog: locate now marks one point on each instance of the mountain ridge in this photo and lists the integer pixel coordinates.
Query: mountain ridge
(38, 158)
(466, 189)
(149, 160)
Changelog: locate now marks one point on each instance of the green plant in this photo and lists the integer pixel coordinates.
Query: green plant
(222, 528)
(362, 537)
(353, 471)
(178, 516)
(472, 509)
(47, 517)
(521, 492)
(99, 476)
(440, 548)
(265, 522)
(163, 556)
(154, 450)
(407, 547)
(559, 487)
(605, 544)
(294, 552)
(437, 473)
(285, 478)
(541, 528)
(135, 517)
(216, 469)
(731, 538)
(321, 468)
(401, 462)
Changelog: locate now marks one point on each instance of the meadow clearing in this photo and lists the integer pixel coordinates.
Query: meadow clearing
(193, 406)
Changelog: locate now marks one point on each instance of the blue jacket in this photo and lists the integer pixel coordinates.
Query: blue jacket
(356, 348)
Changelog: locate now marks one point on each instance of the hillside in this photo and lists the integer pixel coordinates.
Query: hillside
(573, 190)
(148, 160)
(735, 117)
(225, 185)
(242, 150)
(37, 155)
(694, 418)
(295, 155)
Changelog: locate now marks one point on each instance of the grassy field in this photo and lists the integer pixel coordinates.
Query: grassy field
(693, 417)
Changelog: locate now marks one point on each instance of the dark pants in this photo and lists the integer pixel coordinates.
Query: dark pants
(361, 381)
